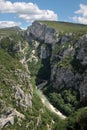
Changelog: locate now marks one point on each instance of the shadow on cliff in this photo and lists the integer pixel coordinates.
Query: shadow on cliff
(44, 54)
(44, 72)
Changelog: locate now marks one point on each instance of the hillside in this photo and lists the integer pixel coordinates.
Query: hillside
(20, 107)
(66, 26)
(51, 58)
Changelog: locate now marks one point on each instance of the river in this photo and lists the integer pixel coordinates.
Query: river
(48, 104)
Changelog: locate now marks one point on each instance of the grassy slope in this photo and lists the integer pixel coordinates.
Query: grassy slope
(14, 32)
(66, 27)
(8, 66)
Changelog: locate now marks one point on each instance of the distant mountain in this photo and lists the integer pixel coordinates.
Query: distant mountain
(12, 28)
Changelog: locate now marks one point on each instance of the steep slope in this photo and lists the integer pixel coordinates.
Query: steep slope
(52, 57)
(15, 88)
(20, 107)
(63, 58)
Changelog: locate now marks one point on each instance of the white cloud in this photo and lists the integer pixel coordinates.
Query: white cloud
(81, 14)
(82, 10)
(4, 24)
(79, 19)
(27, 11)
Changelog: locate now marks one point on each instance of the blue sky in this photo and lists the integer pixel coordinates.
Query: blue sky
(23, 12)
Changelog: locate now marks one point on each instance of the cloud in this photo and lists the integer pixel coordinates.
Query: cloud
(27, 11)
(4, 24)
(79, 19)
(82, 10)
(81, 14)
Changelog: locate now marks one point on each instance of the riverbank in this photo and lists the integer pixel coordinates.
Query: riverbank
(48, 104)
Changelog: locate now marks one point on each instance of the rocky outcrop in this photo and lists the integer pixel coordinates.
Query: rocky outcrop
(23, 97)
(62, 78)
(68, 55)
(44, 52)
(16, 91)
(42, 33)
(69, 64)
(8, 117)
(63, 61)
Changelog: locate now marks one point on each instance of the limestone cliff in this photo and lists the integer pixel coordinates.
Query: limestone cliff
(67, 53)
(16, 91)
(69, 64)
(47, 53)
(42, 33)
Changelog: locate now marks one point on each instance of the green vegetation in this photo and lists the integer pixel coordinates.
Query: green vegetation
(77, 66)
(65, 100)
(66, 61)
(59, 48)
(13, 31)
(8, 66)
(38, 118)
(44, 71)
(42, 66)
(8, 62)
(77, 121)
(34, 67)
(64, 27)
(7, 45)
(11, 39)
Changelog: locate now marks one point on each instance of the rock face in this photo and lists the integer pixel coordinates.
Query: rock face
(67, 53)
(44, 52)
(63, 77)
(8, 117)
(21, 93)
(63, 62)
(69, 64)
(46, 36)
(42, 33)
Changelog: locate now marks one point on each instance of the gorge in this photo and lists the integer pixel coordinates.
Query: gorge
(53, 57)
